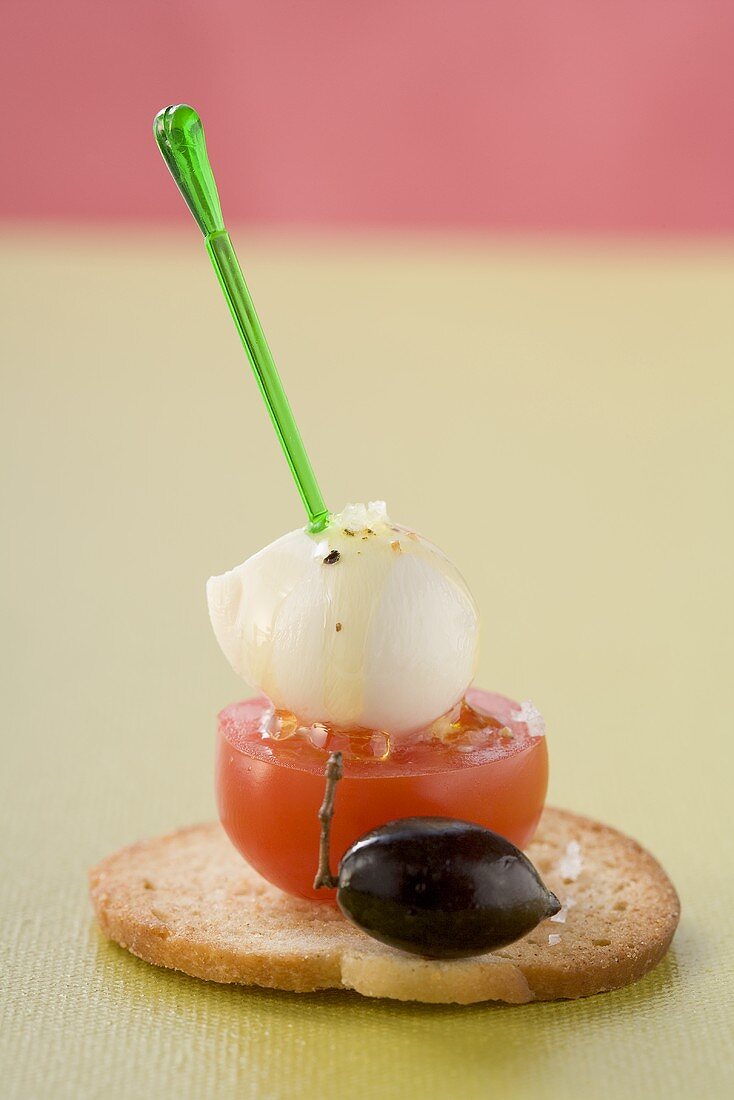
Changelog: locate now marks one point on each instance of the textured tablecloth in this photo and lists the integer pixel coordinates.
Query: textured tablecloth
(559, 420)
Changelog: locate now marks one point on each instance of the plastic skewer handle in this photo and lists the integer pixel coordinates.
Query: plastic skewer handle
(180, 137)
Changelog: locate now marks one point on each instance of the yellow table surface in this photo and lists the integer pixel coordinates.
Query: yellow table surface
(559, 420)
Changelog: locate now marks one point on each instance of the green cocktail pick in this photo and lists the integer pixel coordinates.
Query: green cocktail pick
(180, 136)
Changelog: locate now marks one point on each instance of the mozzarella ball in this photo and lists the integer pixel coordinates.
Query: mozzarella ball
(364, 624)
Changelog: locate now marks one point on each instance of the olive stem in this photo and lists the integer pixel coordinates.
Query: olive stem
(324, 877)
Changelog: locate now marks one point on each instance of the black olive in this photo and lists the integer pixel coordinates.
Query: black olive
(441, 888)
(435, 886)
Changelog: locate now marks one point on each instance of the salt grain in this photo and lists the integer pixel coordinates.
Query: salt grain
(528, 713)
(560, 917)
(553, 940)
(571, 863)
(318, 735)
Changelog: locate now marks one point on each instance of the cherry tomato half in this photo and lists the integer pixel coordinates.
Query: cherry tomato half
(269, 792)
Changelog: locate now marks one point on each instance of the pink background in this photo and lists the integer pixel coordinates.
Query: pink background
(581, 115)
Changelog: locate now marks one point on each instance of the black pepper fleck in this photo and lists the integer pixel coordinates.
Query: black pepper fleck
(338, 627)
(332, 557)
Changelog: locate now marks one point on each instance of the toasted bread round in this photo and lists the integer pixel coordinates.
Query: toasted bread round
(188, 901)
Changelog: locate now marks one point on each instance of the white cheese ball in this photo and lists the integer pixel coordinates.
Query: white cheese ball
(365, 624)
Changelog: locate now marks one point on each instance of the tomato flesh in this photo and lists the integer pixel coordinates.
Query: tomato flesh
(269, 792)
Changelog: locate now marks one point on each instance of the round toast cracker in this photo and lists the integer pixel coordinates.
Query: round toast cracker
(190, 902)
